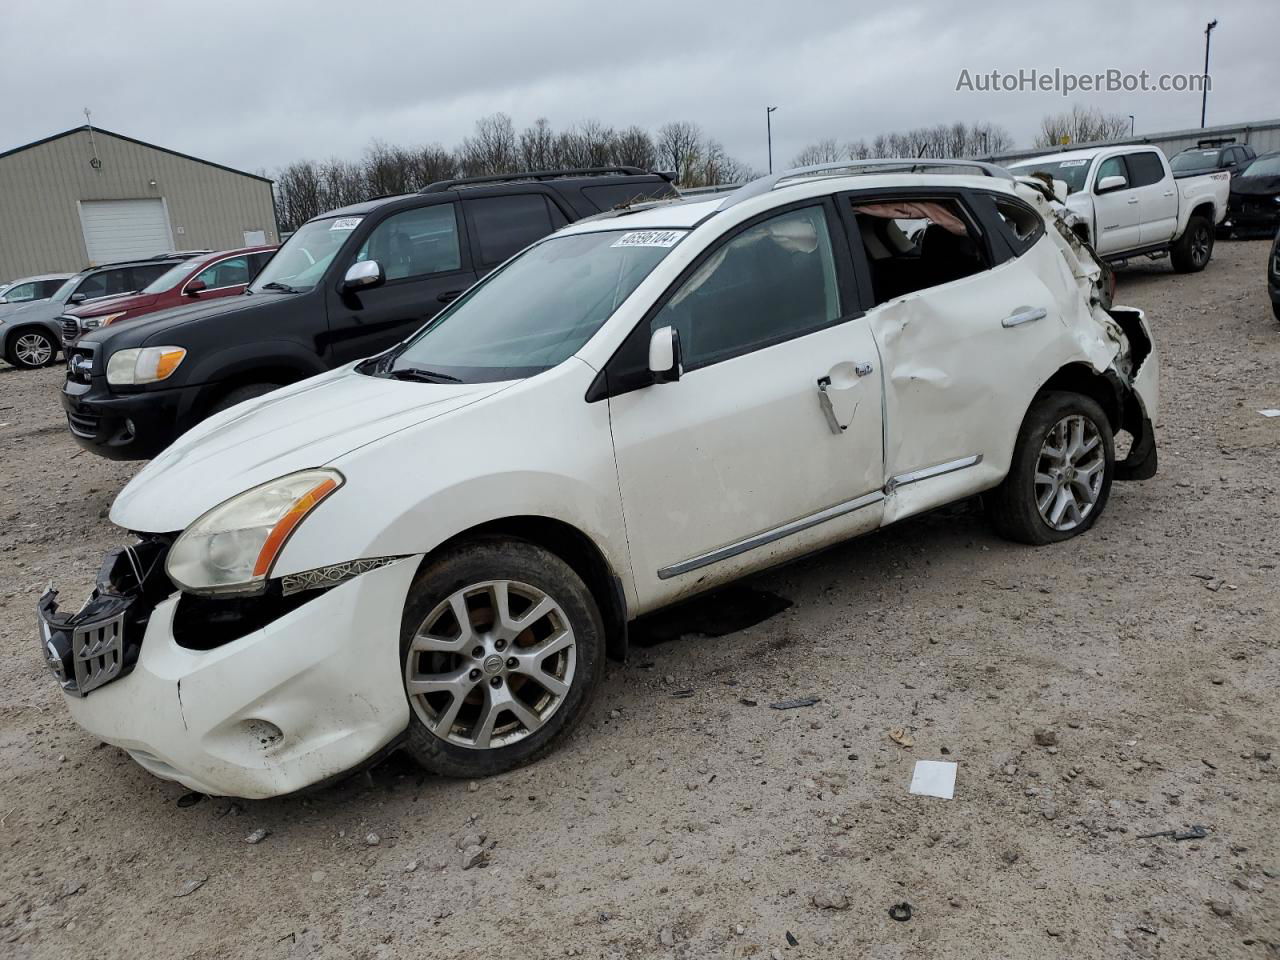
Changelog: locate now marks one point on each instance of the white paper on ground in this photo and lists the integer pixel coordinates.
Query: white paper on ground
(934, 778)
(1270, 413)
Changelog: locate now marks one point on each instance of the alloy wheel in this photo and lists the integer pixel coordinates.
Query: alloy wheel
(490, 664)
(1200, 246)
(1069, 472)
(33, 350)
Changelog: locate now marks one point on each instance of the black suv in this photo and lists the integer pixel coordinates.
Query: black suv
(347, 285)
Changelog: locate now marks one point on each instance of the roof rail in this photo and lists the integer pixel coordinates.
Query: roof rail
(887, 165)
(1215, 141)
(441, 185)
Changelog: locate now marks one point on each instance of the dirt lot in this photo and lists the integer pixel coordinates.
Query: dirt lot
(686, 818)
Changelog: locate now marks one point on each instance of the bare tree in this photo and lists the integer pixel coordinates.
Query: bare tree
(824, 151)
(537, 146)
(678, 144)
(492, 149)
(388, 170)
(298, 194)
(1081, 125)
(633, 147)
(431, 163)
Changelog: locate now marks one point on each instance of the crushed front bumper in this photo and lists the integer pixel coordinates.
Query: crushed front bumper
(303, 699)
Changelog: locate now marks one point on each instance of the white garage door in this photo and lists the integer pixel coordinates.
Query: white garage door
(124, 229)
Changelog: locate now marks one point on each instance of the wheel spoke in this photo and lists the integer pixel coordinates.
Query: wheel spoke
(484, 726)
(455, 682)
(1042, 504)
(458, 604)
(429, 643)
(1060, 506)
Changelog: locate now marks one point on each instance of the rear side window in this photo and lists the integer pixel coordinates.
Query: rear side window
(609, 196)
(1025, 226)
(47, 288)
(108, 283)
(415, 243)
(506, 225)
(1144, 169)
(913, 244)
(140, 277)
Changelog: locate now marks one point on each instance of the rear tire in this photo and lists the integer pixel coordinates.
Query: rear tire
(1060, 477)
(250, 391)
(497, 692)
(1192, 251)
(31, 348)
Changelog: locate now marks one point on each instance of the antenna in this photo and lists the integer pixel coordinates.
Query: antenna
(93, 144)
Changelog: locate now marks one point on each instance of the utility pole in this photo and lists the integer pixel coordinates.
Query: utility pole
(1132, 125)
(768, 126)
(1204, 89)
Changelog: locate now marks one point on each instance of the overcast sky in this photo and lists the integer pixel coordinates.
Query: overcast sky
(257, 84)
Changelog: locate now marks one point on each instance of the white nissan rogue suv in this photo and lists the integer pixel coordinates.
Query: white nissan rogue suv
(436, 548)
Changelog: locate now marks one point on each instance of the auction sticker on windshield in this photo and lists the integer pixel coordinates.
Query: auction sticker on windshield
(649, 238)
(346, 223)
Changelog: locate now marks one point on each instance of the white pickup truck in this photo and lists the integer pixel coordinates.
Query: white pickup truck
(1127, 203)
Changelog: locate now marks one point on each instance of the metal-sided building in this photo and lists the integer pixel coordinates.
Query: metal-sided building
(88, 196)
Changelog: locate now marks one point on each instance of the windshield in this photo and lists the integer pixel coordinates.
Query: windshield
(172, 277)
(64, 291)
(1190, 161)
(305, 256)
(538, 310)
(1263, 167)
(1071, 171)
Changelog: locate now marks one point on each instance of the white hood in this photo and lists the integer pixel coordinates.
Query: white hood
(296, 428)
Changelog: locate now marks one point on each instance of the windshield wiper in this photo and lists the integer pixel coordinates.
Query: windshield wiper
(277, 285)
(422, 376)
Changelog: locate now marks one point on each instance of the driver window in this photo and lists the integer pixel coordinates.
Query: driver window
(1111, 167)
(415, 243)
(774, 281)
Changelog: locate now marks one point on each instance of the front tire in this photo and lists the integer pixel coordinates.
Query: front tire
(31, 349)
(502, 648)
(1060, 477)
(1191, 252)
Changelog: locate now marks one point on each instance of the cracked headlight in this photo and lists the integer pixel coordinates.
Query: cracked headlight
(232, 548)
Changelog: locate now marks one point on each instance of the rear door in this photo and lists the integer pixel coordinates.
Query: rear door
(1116, 215)
(1157, 197)
(965, 328)
(426, 264)
(504, 225)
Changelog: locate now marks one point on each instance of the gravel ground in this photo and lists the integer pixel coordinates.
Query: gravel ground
(686, 818)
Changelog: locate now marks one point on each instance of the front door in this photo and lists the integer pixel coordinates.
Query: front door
(770, 443)
(1115, 212)
(426, 266)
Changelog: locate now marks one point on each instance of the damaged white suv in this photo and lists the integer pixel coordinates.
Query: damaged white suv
(438, 547)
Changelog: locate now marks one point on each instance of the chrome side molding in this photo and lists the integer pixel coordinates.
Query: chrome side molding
(822, 516)
(770, 536)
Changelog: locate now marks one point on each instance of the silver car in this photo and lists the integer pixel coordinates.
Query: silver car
(30, 333)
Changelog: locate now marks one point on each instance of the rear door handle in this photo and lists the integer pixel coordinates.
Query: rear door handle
(1132, 200)
(449, 296)
(1024, 315)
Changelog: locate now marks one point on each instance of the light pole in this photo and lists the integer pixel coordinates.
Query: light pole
(1204, 89)
(1132, 125)
(768, 126)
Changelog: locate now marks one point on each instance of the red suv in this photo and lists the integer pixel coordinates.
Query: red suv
(206, 277)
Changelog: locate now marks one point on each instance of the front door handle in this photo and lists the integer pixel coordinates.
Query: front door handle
(449, 296)
(1024, 315)
(1132, 200)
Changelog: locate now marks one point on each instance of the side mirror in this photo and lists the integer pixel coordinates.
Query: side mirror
(78, 298)
(1107, 184)
(665, 360)
(194, 287)
(362, 275)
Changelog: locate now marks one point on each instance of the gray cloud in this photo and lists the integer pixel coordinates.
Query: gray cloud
(257, 84)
